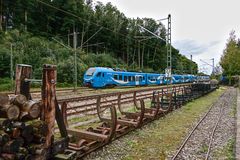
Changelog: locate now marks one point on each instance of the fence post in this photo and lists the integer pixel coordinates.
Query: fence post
(49, 77)
(23, 72)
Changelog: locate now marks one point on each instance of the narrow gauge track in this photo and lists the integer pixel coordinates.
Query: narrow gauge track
(87, 105)
(62, 90)
(36, 94)
(177, 154)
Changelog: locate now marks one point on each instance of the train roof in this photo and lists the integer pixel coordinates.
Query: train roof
(107, 69)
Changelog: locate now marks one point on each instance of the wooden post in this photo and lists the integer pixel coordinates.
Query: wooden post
(64, 113)
(23, 72)
(49, 78)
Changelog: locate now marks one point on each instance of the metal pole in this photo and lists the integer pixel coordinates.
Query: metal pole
(169, 43)
(213, 66)
(75, 58)
(169, 51)
(11, 68)
(191, 66)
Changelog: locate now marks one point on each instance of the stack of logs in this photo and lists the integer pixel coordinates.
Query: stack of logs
(22, 134)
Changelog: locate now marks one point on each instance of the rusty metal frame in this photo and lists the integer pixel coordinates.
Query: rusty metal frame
(90, 140)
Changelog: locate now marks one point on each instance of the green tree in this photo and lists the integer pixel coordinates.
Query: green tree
(231, 56)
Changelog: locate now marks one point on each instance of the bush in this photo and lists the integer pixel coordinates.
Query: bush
(5, 84)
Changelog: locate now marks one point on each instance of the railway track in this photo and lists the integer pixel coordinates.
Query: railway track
(68, 93)
(217, 109)
(87, 105)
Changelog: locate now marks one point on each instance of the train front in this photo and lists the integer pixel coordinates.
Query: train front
(89, 77)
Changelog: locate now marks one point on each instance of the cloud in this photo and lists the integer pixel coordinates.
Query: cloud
(188, 47)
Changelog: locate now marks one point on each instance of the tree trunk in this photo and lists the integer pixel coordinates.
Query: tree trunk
(134, 52)
(128, 54)
(26, 19)
(148, 58)
(143, 55)
(139, 55)
(155, 50)
(1, 15)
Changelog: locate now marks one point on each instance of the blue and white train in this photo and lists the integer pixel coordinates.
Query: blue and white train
(100, 77)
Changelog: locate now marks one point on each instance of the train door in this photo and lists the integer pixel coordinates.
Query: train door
(137, 80)
(100, 79)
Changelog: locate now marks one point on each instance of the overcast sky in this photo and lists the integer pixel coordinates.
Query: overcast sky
(199, 27)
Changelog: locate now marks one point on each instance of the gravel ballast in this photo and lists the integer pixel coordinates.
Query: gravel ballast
(197, 145)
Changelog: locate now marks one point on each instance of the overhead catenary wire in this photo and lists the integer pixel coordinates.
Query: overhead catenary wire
(80, 18)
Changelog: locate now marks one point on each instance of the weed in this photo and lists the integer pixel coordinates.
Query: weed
(167, 133)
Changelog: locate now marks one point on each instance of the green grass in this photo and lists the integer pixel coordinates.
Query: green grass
(204, 148)
(5, 84)
(156, 140)
(81, 119)
(227, 152)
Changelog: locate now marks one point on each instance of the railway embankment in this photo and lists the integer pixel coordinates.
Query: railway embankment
(162, 138)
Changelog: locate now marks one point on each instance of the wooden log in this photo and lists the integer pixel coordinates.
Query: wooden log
(23, 150)
(7, 156)
(11, 147)
(15, 133)
(9, 111)
(19, 125)
(4, 138)
(28, 157)
(4, 100)
(20, 156)
(19, 100)
(5, 124)
(39, 127)
(14, 129)
(27, 134)
(36, 149)
(15, 156)
(30, 110)
(38, 139)
(20, 141)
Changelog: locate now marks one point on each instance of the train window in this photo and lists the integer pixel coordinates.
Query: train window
(115, 76)
(120, 77)
(140, 79)
(137, 78)
(143, 78)
(125, 78)
(129, 78)
(133, 78)
(99, 74)
(90, 71)
(102, 74)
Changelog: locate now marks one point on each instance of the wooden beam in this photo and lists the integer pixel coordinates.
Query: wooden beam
(49, 78)
(87, 135)
(23, 72)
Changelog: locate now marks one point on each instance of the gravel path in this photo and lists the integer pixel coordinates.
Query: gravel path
(197, 145)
